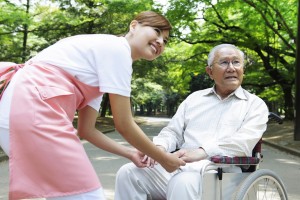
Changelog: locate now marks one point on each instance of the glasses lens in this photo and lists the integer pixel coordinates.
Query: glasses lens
(235, 63)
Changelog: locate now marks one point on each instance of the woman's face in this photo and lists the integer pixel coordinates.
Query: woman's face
(146, 42)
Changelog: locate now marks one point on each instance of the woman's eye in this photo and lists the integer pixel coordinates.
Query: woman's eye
(157, 31)
(159, 34)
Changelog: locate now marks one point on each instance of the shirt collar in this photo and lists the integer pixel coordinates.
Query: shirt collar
(239, 93)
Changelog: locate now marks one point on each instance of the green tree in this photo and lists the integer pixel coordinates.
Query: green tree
(14, 22)
(146, 94)
(264, 29)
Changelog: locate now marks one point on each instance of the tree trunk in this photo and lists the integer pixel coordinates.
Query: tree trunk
(288, 102)
(25, 34)
(104, 105)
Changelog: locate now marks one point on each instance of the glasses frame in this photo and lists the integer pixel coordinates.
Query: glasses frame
(225, 64)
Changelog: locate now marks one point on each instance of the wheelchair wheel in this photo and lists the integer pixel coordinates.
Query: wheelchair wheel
(261, 184)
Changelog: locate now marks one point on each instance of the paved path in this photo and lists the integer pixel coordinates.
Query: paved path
(106, 164)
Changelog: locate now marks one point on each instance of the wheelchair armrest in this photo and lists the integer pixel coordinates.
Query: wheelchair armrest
(235, 160)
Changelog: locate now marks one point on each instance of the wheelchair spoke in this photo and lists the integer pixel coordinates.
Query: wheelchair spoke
(262, 185)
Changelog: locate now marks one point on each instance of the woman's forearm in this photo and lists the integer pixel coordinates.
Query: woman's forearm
(101, 141)
(137, 138)
(127, 127)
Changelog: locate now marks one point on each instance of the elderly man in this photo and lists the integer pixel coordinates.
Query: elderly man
(224, 120)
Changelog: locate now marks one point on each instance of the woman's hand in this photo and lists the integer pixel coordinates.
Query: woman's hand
(137, 158)
(150, 162)
(172, 162)
(191, 155)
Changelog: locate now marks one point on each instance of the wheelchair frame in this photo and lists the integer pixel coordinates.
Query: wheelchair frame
(252, 184)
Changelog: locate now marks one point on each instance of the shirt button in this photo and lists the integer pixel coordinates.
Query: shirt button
(44, 94)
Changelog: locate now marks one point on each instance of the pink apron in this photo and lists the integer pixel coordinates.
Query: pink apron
(47, 158)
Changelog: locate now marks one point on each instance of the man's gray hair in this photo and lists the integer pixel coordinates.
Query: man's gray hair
(211, 55)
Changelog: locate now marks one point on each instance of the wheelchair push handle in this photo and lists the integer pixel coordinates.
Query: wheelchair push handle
(275, 117)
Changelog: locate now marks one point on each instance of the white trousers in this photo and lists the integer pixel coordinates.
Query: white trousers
(92, 195)
(134, 183)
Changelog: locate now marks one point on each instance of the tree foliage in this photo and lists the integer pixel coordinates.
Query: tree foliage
(264, 29)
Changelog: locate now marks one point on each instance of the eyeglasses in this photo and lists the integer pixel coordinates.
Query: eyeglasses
(225, 64)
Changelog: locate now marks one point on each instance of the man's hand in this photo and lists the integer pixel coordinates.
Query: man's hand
(191, 155)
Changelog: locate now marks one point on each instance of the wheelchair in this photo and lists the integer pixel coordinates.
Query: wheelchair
(251, 184)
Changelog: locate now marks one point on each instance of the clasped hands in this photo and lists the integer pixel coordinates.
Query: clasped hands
(187, 155)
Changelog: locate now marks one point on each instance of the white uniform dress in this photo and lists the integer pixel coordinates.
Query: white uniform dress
(97, 60)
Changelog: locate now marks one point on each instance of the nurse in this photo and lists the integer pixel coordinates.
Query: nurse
(37, 107)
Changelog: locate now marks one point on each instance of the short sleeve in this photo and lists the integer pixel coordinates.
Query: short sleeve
(115, 72)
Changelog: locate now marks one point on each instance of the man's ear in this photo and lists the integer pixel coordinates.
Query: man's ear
(133, 25)
(208, 70)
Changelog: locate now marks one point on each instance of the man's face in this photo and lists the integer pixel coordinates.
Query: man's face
(227, 71)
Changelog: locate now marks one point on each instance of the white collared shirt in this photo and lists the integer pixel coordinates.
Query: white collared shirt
(228, 127)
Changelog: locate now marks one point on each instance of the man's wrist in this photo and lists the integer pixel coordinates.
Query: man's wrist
(204, 152)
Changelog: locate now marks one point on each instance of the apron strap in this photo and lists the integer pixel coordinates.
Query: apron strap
(7, 71)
